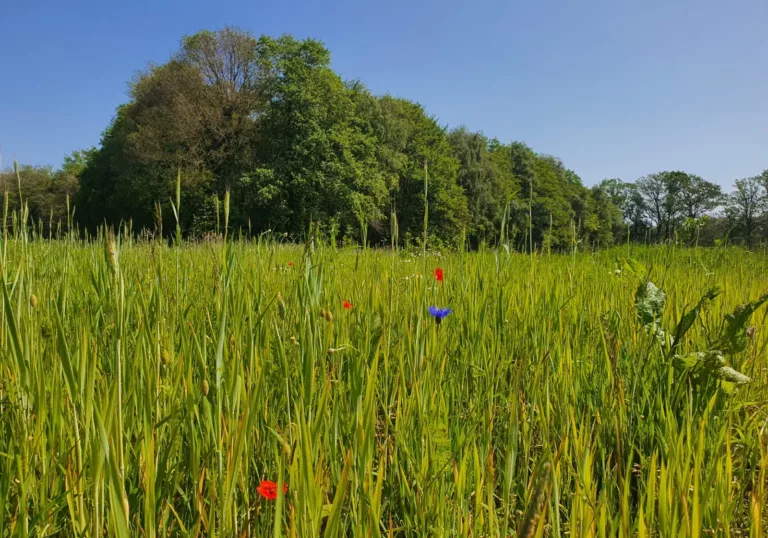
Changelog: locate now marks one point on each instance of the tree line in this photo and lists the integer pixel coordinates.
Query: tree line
(269, 123)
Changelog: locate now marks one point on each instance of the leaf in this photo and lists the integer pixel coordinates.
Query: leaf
(649, 303)
(688, 319)
(711, 361)
(734, 338)
(687, 361)
(333, 527)
(633, 266)
(726, 373)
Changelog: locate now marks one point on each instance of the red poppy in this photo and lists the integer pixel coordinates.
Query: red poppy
(347, 304)
(290, 264)
(268, 489)
(439, 274)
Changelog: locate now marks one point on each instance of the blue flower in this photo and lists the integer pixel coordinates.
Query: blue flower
(439, 313)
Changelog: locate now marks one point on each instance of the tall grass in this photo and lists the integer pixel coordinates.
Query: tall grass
(146, 390)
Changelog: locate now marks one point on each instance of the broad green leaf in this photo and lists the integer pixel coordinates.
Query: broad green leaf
(734, 337)
(712, 360)
(683, 362)
(688, 319)
(633, 266)
(333, 527)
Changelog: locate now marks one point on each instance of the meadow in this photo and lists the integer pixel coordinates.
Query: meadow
(154, 390)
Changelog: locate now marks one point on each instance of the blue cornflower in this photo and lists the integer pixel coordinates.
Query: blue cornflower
(439, 313)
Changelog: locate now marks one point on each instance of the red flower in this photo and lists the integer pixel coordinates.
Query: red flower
(347, 304)
(268, 489)
(290, 264)
(439, 274)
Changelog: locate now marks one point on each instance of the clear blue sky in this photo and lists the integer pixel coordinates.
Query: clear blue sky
(614, 88)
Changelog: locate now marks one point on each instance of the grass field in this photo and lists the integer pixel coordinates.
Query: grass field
(148, 390)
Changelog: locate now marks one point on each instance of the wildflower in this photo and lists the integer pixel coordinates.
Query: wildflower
(290, 264)
(439, 313)
(347, 305)
(268, 489)
(439, 274)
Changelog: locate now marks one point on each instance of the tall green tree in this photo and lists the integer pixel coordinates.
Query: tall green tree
(746, 206)
(412, 145)
(316, 157)
(488, 183)
(197, 113)
(45, 191)
(605, 222)
(698, 196)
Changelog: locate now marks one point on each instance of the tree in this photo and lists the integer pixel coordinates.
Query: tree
(410, 144)
(197, 113)
(605, 223)
(44, 191)
(698, 196)
(488, 184)
(746, 205)
(615, 189)
(659, 192)
(316, 158)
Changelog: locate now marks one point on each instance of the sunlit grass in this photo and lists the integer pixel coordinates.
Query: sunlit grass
(148, 390)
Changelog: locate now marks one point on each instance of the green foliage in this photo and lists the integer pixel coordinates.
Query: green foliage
(317, 159)
(690, 317)
(488, 182)
(269, 119)
(703, 365)
(707, 365)
(665, 202)
(45, 191)
(745, 207)
(148, 390)
(734, 336)
(408, 140)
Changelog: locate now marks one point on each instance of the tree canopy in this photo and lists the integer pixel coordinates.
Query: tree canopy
(268, 121)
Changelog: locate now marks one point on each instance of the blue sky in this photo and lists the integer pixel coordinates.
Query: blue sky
(614, 88)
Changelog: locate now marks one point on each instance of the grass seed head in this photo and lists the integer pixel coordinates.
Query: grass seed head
(205, 387)
(112, 253)
(33, 301)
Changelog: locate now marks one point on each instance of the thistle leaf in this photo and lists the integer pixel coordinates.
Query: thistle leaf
(726, 373)
(690, 317)
(734, 337)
